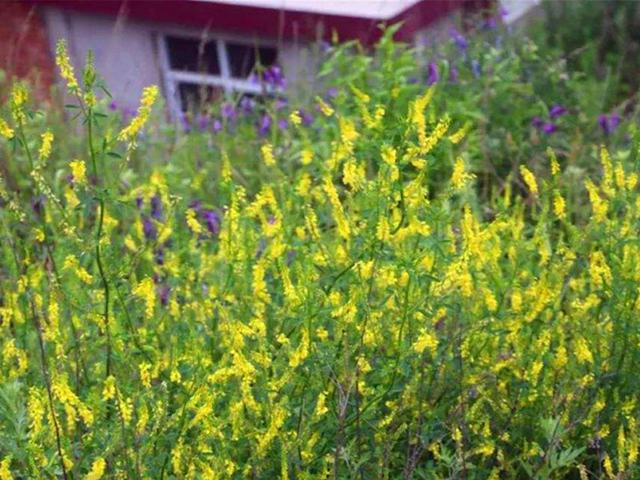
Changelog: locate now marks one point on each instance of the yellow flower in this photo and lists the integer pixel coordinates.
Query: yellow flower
(295, 118)
(306, 157)
(149, 96)
(389, 155)
(64, 64)
(425, 341)
(192, 221)
(45, 148)
(78, 170)
(5, 130)
(460, 177)
(97, 469)
(267, 155)
(529, 179)
(559, 207)
(324, 107)
(5, 472)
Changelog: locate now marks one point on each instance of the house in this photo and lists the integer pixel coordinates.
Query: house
(202, 47)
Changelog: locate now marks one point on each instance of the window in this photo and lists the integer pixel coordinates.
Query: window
(198, 71)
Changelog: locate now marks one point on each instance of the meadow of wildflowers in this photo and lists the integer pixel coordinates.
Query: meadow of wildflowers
(404, 278)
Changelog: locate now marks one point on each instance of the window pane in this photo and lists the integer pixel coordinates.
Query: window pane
(243, 57)
(195, 97)
(192, 55)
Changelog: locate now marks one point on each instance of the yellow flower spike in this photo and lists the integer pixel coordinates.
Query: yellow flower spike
(458, 135)
(78, 170)
(5, 130)
(193, 223)
(325, 108)
(19, 97)
(64, 64)
(5, 471)
(460, 176)
(97, 469)
(267, 155)
(130, 132)
(306, 157)
(555, 166)
(45, 147)
(559, 206)
(295, 118)
(529, 179)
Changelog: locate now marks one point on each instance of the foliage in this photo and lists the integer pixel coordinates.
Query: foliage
(329, 299)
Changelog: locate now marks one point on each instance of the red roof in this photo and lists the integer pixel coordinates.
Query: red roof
(287, 23)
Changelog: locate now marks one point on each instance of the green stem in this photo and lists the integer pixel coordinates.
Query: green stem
(103, 277)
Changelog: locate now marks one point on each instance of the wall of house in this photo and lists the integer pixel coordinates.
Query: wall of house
(127, 53)
(24, 51)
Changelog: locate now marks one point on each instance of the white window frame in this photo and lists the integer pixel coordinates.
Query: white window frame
(172, 78)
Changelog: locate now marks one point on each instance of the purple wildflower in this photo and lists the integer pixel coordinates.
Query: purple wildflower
(113, 106)
(212, 220)
(247, 104)
(37, 204)
(228, 112)
(432, 73)
(608, 123)
(307, 118)
(264, 125)
(139, 202)
(202, 121)
(216, 126)
(549, 128)
(283, 123)
(453, 74)
(158, 256)
(163, 293)
(148, 228)
(274, 77)
(476, 69)
(331, 93)
(156, 207)
(557, 111)
(537, 122)
(459, 39)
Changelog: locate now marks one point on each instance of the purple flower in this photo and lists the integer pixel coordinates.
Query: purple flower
(537, 122)
(37, 205)
(307, 118)
(274, 77)
(113, 106)
(283, 123)
(156, 207)
(476, 69)
(216, 126)
(557, 111)
(331, 93)
(459, 39)
(549, 128)
(453, 74)
(148, 228)
(228, 112)
(212, 220)
(432, 73)
(185, 122)
(202, 121)
(264, 125)
(608, 123)
(158, 256)
(196, 205)
(139, 202)
(247, 104)
(163, 293)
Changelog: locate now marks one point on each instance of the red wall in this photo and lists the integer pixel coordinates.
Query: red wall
(24, 47)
